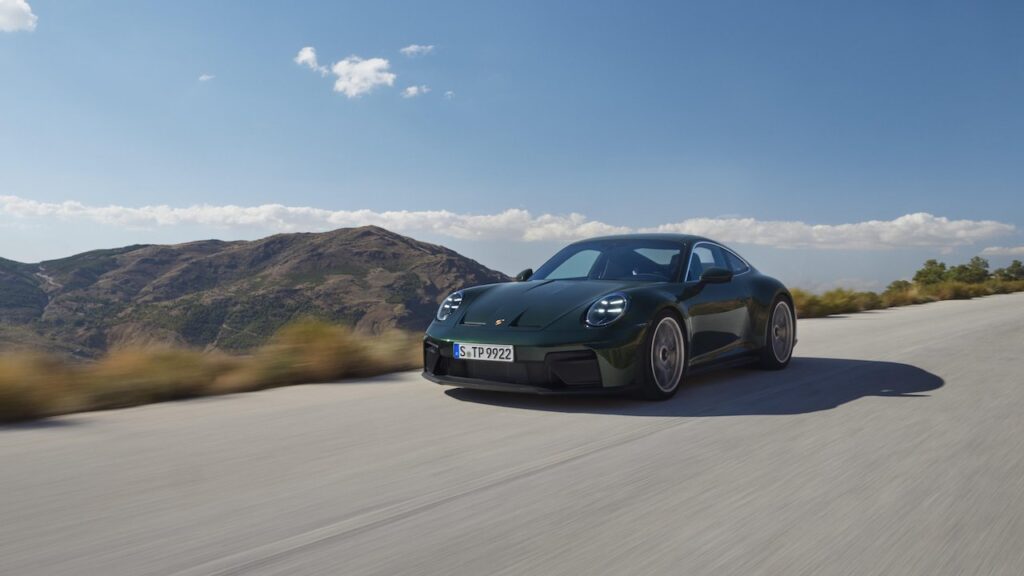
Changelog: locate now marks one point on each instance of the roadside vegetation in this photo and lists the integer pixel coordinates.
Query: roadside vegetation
(933, 282)
(34, 385)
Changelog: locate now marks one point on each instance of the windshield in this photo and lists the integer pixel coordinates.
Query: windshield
(639, 260)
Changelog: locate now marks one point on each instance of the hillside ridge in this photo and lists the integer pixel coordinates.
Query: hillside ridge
(230, 295)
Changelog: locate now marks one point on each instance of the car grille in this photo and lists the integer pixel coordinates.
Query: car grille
(559, 370)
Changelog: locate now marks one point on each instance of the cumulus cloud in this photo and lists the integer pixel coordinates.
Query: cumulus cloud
(206, 77)
(417, 50)
(16, 15)
(912, 230)
(307, 57)
(414, 91)
(1003, 251)
(357, 76)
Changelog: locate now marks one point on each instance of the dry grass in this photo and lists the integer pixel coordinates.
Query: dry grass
(34, 385)
(841, 301)
(130, 377)
(311, 351)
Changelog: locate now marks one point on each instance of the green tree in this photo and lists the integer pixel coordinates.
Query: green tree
(1015, 271)
(898, 286)
(974, 272)
(932, 272)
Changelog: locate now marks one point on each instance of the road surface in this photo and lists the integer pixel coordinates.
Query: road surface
(894, 444)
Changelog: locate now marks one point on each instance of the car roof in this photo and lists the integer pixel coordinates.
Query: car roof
(683, 238)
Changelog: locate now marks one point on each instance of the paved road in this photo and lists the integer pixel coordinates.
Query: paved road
(894, 444)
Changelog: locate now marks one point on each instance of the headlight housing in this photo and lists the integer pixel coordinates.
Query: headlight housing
(607, 309)
(449, 306)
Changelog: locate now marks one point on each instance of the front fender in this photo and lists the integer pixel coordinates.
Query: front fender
(766, 291)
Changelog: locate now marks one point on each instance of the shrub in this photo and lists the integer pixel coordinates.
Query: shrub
(139, 376)
(1006, 286)
(839, 301)
(32, 386)
(807, 305)
(903, 293)
(867, 301)
(314, 351)
(956, 291)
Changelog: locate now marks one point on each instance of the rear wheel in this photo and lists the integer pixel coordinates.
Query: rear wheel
(779, 336)
(663, 357)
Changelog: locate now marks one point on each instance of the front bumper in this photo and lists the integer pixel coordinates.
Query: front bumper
(477, 384)
(581, 368)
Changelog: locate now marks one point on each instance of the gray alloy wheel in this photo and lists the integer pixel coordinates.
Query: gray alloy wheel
(667, 358)
(782, 332)
(778, 347)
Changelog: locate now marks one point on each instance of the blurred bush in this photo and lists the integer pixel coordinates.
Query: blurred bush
(130, 377)
(836, 301)
(35, 385)
(32, 386)
(314, 351)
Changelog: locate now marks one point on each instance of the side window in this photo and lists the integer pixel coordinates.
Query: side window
(702, 257)
(662, 256)
(735, 264)
(576, 266)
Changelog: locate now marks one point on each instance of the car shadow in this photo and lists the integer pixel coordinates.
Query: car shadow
(807, 385)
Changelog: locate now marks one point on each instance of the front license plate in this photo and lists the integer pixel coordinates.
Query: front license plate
(492, 352)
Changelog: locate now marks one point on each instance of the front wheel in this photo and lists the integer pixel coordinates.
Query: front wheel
(663, 357)
(779, 336)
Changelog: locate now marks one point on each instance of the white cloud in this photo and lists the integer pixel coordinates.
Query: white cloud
(414, 91)
(16, 15)
(357, 76)
(449, 95)
(206, 77)
(1003, 251)
(307, 57)
(912, 230)
(417, 50)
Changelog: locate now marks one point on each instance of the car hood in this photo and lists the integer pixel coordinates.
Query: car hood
(536, 304)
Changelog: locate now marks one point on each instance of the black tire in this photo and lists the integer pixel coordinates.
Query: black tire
(779, 336)
(663, 357)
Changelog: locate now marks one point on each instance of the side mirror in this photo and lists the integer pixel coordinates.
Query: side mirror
(716, 275)
(524, 275)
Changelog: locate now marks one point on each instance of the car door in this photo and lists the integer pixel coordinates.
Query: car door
(718, 314)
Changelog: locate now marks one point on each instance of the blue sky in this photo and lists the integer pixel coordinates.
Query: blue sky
(737, 119)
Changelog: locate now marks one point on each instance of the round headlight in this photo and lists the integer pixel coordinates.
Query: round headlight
(449, 306)
(607, 309)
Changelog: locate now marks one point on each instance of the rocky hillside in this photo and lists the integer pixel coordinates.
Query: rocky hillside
(228, 295)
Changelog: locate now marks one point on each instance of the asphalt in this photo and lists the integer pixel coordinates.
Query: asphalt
(893, 444)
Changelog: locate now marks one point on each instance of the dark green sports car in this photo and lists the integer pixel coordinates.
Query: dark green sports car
(635, 312)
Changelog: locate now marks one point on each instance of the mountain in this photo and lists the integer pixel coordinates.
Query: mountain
(228, 295)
